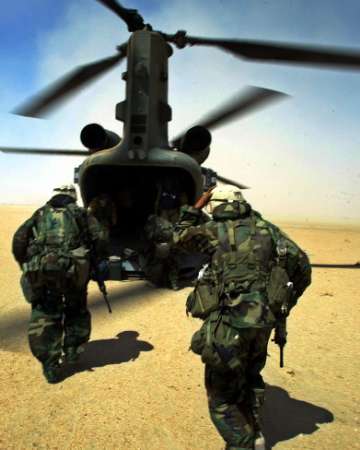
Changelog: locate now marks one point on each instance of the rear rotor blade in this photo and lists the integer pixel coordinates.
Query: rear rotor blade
(131, 17)
(49, 98)
(276, 52)
(243, 103)
(249, 100)
(231, 182)
(44, 151)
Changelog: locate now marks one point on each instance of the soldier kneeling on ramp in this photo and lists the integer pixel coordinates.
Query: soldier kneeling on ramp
(54, 249)
(254, 276)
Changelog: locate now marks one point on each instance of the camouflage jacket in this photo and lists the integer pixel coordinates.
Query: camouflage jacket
(93, 234)
(104, 209)
(208, 238)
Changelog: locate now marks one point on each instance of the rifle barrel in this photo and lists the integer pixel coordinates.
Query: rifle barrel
(281, 356)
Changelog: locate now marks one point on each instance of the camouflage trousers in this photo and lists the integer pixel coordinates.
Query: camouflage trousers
(58, 322)
(162, 272)
(234, 397)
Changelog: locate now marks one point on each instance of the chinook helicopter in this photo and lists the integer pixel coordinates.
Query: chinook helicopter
(135, 171)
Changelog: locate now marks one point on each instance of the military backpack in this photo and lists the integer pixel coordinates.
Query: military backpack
(242, 288)
(58, 254)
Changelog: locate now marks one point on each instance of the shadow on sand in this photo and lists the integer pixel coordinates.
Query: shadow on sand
(123, 348)
(285, 417)
(13, 325)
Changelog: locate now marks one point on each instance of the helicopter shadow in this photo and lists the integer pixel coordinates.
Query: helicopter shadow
(285, 417)
(124, 347)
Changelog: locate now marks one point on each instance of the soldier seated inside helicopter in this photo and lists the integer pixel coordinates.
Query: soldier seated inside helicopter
(127, 202)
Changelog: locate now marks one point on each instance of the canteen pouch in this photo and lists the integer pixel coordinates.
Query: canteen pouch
(277, 289)
(79, 271)
(205, 297)
(216, 342)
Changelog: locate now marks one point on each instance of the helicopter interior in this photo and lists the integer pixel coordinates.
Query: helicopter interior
(137, 192)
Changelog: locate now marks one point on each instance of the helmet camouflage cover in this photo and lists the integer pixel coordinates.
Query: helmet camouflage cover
(225, 194)
(66, 189)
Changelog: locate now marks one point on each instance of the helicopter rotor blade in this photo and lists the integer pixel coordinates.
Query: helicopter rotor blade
(231, 182)
(248, 100)
(44, 151)
(131, 17)
(52, 96)
(251, 99)
(276, 52)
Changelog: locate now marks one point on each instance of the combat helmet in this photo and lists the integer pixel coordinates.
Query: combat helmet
(66, 189)
(225, 194)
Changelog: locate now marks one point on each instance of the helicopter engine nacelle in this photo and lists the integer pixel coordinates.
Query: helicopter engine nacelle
(196, 143)
(95, 137)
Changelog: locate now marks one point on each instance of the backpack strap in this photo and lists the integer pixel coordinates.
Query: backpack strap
(80, 220)
(231, 234)
(252, 225)
(223, 237)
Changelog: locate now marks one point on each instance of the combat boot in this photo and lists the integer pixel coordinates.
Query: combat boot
(52, 373)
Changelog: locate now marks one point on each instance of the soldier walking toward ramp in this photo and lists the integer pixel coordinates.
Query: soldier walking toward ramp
(255, 275)
(53, 249)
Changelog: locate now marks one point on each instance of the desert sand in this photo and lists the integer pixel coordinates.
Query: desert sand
(145, 391)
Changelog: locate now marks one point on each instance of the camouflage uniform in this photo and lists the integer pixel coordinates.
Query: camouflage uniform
(104, 209)
(60, 320)
(158, 263)
(231, 297)
(163, 259)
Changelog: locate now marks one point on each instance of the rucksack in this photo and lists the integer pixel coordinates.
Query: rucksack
(60, 257)
(240, 265)
(218, 341)
(233, 293)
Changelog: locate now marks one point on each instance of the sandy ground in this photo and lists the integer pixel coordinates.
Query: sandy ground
(146, 392)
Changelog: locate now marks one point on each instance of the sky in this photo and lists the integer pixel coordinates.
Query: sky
(300, 156)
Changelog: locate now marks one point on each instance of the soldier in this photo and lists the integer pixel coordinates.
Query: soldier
(157, 260)
(163, 259)
(104, 209)
(54, 249)
(254, 273)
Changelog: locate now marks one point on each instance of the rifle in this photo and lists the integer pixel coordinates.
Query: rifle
(280, 337)
(102, 289)
(280, 327)
(99, 280)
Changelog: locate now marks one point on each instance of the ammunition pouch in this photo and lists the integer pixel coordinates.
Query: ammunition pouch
(58, 270)
(277, 289)
(249, 310)
(204, 299)
(80, 258)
